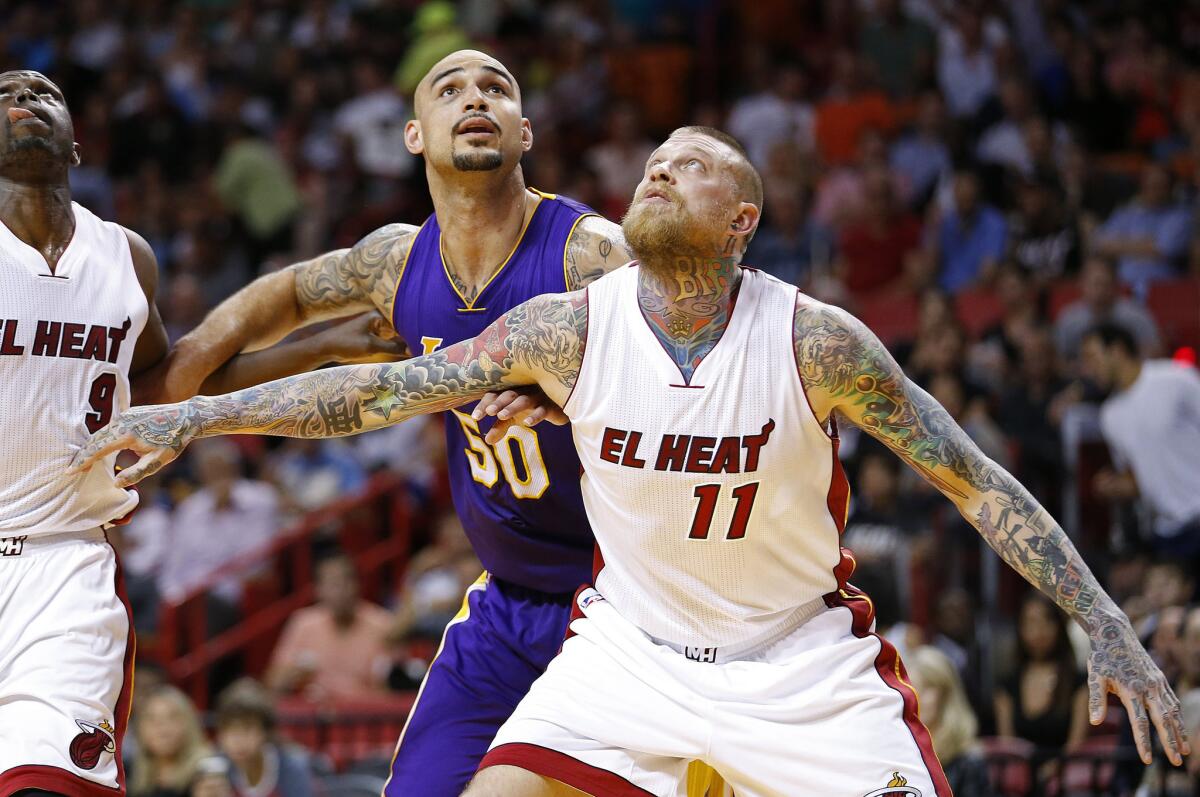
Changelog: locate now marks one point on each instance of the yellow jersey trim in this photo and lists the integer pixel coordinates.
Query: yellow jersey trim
(470, 306)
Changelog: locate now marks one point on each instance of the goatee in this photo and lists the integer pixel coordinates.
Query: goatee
(485, 161)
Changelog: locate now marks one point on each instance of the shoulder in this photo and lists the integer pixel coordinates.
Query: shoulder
(389, 242)
(145, 264)
(596, 247)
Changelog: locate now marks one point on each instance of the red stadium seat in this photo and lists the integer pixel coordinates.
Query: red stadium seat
(977, 310)
(1175, 305)
(1059, 295)
(1010, 764)
(892, 318)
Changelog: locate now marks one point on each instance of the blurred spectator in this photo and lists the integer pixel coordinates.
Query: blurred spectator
(149, 130)
(245, 734)
(1101, 302)
(874, 249)
(227, 517)
(970, 239)
(315, 472)
(1189, 652)
(435, 34)
(899, 47)
(257, 187)
(1148, 236)
(1149, 423)
(620, 160)
(1003, 144)
(851, 106)
(967, 50)
(435, 582)
(1023, 413)
(1042, 238)
(775, 116)
(970, 411)
(372, 122)
(334, 650)
(1000, 345)
(921, 155)
(1045, 700)
(170, 744)
(1162, 780)
(950, 720)
(788, 243)
(213, 778)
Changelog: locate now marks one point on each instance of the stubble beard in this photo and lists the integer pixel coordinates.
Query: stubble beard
(487, 160)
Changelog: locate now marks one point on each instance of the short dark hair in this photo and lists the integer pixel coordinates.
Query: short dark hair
(246, 700)
(1114, 335)
(749, 182)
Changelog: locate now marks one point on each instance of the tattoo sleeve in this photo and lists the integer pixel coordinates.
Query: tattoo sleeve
(845, 368)
(596, 247)
(539, 341)
(353, 280)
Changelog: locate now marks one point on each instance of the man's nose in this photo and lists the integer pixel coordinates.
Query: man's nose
(661, 173)
(475, 100)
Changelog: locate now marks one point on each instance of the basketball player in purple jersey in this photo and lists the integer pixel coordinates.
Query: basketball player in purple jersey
(491, 244)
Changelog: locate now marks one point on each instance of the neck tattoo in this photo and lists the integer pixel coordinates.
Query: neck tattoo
(688, 306)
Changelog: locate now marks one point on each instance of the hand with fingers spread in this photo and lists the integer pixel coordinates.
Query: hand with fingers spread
(157, 433)
(1119, 664)
(527, 406)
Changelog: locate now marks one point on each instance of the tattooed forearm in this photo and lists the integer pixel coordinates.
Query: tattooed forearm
(847, 366)
(539, 341)
(596, 247)
(347, 280)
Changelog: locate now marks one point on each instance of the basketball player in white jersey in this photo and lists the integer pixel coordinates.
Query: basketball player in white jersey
(77, 318)
(721, 625)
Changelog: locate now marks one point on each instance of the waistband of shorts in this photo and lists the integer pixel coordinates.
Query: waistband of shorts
(519, 592)
(724, 653)
(17, 545)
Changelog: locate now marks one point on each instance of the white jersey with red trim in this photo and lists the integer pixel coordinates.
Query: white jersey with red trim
(66, 343)
(717, 505)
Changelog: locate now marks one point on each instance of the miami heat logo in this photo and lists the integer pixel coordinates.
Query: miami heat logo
(897, 787)
(95, 739)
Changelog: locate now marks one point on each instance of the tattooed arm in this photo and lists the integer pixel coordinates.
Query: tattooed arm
(596, 247)
(539, 342)
(846, 369)
(333, 285)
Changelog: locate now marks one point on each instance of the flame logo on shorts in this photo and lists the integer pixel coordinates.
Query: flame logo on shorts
(87, 747)
(897, 787)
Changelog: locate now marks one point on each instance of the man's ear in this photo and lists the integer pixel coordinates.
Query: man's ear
(746, 221)
(413, 141)
(526, 135)
(76, 157)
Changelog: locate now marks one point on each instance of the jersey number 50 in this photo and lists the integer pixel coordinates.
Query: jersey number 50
(487, 461)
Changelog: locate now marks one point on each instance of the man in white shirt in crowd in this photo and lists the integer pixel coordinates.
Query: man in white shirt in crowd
(223, 520)
(1151, 422)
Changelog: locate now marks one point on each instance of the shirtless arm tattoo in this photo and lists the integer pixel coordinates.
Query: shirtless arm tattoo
(539, 341)
(596, 247)
(350, 280)
(844, 364)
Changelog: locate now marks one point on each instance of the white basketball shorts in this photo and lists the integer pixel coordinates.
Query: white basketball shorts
(823, 710)
(66, 658)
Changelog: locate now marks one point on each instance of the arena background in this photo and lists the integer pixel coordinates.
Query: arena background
(979, 181)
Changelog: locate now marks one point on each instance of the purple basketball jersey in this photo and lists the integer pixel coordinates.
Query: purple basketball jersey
(519, 500)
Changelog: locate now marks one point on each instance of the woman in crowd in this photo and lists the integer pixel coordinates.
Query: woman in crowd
(1045, 700)
(170, 745)
(951, 722)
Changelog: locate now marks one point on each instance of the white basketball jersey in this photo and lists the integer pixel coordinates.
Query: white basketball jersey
(717, 506)
(66, 342)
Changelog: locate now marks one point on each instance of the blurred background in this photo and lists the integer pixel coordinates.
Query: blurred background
(982, 182)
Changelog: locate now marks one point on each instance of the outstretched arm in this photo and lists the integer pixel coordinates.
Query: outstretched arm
(539, 342)
(336, 284)
(846, 369)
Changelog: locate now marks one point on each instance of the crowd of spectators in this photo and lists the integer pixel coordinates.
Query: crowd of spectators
(1041, 154)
